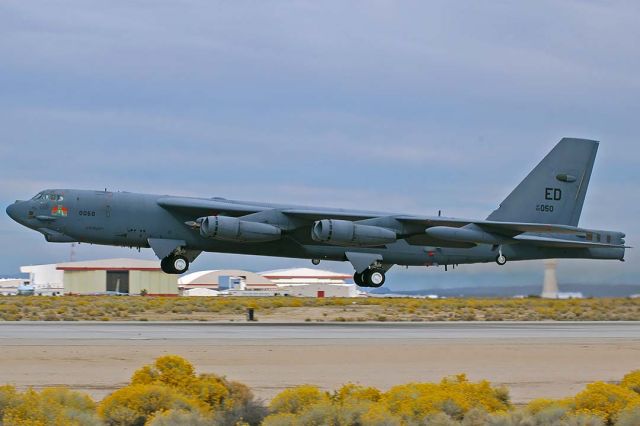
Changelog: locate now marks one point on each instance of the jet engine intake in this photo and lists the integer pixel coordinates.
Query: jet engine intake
(347, 233)
(233, 229)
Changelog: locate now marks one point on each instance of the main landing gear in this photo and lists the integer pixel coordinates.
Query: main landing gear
(174, 264)
(369, 278)
(500, 258)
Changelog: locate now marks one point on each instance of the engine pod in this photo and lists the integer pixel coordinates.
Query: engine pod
(347, 233)
(233, 229)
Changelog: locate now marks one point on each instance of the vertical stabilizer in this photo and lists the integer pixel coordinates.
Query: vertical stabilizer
(555, 189)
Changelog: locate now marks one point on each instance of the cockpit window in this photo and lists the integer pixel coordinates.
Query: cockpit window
(48, 197)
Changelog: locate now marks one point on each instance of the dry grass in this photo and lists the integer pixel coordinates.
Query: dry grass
(288, 309)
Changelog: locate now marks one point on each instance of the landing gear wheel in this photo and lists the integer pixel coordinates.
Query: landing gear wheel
(357, 278)
(179, 264)
(374, 278)
(173, 264)
(165, 265)
(501, 259)
(315, 261)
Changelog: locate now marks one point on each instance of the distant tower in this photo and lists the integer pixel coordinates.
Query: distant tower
(72, 252)
(550, 286)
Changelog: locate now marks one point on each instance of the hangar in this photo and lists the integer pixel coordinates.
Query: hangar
(107, 276)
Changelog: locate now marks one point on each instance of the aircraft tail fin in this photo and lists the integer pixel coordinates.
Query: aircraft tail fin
(555, 189)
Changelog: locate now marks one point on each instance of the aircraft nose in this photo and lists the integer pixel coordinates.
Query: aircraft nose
(13, 211)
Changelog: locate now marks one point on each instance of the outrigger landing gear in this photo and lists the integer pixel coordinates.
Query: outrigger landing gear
(174, 264)
(370, 278)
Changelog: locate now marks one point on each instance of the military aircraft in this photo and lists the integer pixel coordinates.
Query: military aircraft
(538, 220)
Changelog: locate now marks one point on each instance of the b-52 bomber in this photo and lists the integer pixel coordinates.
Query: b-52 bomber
(538, 220)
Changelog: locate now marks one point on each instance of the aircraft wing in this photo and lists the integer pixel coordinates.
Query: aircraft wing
(558, 242)
(319, 214)
(504, 228)
(207, 207)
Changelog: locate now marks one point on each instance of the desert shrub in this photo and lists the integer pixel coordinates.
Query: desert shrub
(475, 417)
(51, 407)
(605, 400)
(351, 392)
(321, 413)
(540, 404)
(179, 418)
(632, 381)
(170, 370)
(455, 396)
(9, 398)
(135, 404)
(210, 389)
(232, 401)
(296, 399)
(352, 412)
(629, 417)
(241, 405)
(379, 415)
(281, 419)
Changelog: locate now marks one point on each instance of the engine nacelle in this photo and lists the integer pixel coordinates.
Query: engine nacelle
(233, 229)
(347, 233)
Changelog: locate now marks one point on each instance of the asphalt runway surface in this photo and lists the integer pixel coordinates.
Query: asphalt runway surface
(534, 359)
(257, 331)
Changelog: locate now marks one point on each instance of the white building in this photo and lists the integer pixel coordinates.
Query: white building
(10, 286)
(301, 282)
(46, 279)
(224, 279)
(307, 282)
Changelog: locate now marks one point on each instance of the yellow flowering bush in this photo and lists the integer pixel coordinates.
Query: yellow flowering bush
(51, 407)
(168, 392)
(455, 396)
(137, 403)
(605, 400)
(540, 404)
(296, 399)
(170, 370)
(632, 381)
(352, 392)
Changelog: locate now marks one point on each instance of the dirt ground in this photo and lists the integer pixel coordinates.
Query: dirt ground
(529, 369)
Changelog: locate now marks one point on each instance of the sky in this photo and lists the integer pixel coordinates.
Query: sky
(394, 106)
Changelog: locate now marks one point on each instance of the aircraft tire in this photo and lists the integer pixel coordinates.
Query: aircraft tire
(358, 279)
(374, 278)
(501, 259)
(165, 265)
(179, 264)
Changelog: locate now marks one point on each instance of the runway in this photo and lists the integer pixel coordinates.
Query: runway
(533, 359)
(217, 332)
